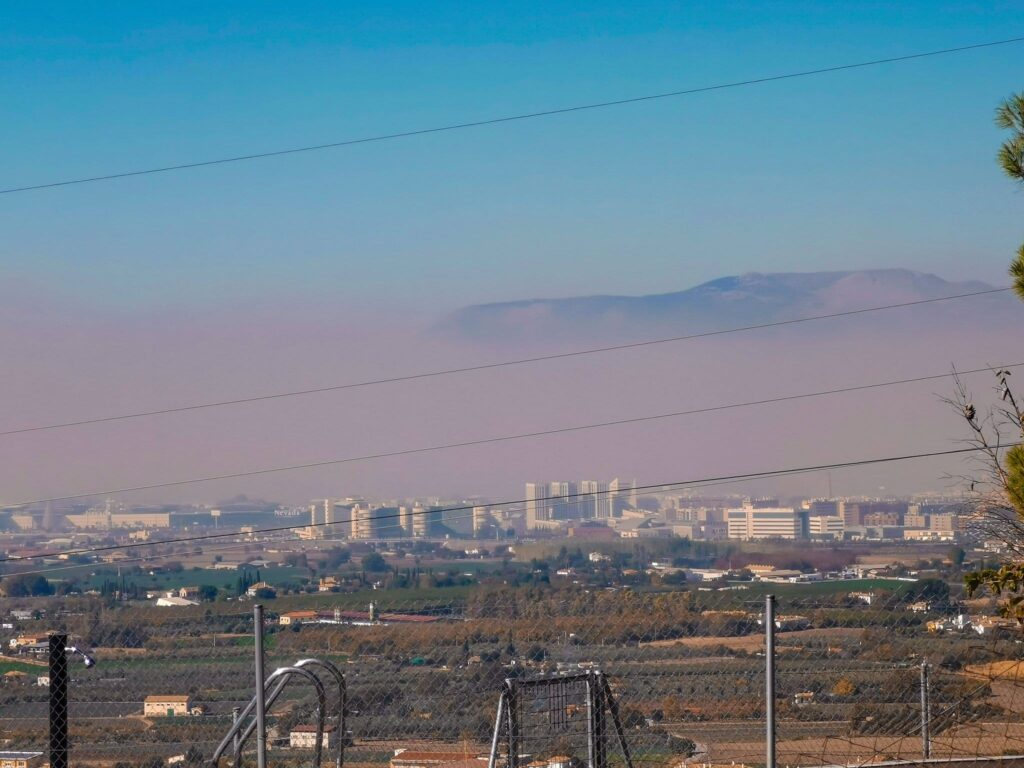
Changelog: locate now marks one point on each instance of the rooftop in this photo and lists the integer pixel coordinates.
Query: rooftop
(429, 757)
(161, 698)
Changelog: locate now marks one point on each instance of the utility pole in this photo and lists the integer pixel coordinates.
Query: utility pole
(769, 676)
(58, 701)
(926, 715)
(261, 721)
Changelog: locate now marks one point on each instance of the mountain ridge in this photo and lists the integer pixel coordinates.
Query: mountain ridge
(749, 298)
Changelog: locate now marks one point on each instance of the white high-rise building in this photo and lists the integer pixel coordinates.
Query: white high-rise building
(538, 508)
(593, 500)
(425, 521)
(330, 519)
(750, 522)
(316, 521)
(405, 520)
(826, 526)
(563, 502)
(617, 499)
(483, 521)
(362, 522)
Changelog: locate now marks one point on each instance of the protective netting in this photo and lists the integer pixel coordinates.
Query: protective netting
(683, 665)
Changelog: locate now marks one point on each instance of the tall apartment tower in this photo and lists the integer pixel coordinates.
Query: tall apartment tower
(593, 500)
(387, 523)
(563, 500)
(538, 508)
(482, 521)
(362, 524)
(316, 520)
(616, 499)
(405, 520)
(330, 519)
(425, 521)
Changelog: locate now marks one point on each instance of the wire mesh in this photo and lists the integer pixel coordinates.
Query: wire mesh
(425, 668)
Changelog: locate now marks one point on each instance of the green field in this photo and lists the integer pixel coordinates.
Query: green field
(192, 577)
(816, 588)
(7, 665)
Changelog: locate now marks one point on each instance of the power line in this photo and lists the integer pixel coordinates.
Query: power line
(498, 439)
(721, 479)
(486, 366)
(512, 118)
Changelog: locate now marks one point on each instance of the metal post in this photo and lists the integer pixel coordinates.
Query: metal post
(261, 708)
(234, 721)
(926, 715)
(58, 701)
(590, 721)
(613, 708)
(769, 676)
(598, 705)
(492, 761)
(512, 707)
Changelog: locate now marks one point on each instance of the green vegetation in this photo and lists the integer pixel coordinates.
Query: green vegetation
(216, 577)
(1002, 511)
(7, 665)
(1010, 116)
(818, 588)
(26, 585)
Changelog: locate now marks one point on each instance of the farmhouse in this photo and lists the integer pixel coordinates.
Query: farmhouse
(304, 737)
(21, 759)
(167, 706)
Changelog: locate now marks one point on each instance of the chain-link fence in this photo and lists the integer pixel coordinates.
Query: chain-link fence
(866, 670)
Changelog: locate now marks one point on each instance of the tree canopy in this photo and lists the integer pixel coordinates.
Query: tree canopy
(1010, 116)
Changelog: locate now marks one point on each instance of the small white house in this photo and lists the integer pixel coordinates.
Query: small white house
(167, 706)
(171, 601)
(304, 737)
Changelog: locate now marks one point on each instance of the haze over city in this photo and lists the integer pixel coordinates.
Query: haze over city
(534, 385)
(341, 266)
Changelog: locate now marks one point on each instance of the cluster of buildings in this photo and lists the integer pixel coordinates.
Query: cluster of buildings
(592, 509)
(578, 512)
(551, 505)
(962, 623)
(359, 519)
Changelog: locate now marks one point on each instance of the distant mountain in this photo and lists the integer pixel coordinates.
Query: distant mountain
(726, 302)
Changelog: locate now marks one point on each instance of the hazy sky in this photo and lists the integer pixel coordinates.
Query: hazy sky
(886, 166)
(315, 268)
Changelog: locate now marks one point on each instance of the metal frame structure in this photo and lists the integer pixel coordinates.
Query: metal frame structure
(601, 706)
(270, 695)
(252, 719)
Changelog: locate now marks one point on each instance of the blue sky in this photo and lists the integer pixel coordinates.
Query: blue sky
(889, 166)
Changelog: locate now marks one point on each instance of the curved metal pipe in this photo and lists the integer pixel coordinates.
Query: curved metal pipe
(339, 677)
(284, 673)
(342, 704)
(273, 696)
